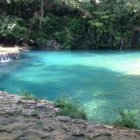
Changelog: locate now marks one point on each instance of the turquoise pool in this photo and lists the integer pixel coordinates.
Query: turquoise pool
(102, 81)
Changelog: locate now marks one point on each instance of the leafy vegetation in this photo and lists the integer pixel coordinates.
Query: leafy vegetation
(84, 24)
(28, 96)
(128, 118)
(70, 108)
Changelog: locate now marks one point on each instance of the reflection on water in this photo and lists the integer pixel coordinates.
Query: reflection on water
(101, 81)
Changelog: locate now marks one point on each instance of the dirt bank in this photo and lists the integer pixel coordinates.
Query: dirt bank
(35, 120)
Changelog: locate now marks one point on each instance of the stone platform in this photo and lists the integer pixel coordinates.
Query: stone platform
(36, 120)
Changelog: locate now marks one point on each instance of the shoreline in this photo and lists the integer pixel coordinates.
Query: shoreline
(35, 119)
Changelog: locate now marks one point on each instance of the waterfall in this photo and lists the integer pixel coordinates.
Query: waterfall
(7, 57)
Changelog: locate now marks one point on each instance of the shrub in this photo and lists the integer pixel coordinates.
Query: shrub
(10, 28)
(70, 108)
(28, 96)
(128, 118)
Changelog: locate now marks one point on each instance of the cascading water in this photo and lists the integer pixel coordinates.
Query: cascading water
(8, 54)
(4, 58)
(7, 57)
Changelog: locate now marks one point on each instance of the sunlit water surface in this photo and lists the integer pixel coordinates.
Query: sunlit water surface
(101, 81)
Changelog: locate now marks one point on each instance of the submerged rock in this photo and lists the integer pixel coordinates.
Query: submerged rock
(35, 120)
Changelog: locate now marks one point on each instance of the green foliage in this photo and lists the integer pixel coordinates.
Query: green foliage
(70, 108)
(128, 118)
(74, 24)
(20, 8)
(28, 96)
(10, 27)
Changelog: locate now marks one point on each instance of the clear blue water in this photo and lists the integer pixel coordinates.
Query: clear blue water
(101, 81)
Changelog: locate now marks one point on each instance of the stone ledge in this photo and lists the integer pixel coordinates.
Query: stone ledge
(28, 120)
(9, 50)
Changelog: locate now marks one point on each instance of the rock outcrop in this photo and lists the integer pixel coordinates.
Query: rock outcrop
(35, 120)
(51, 45)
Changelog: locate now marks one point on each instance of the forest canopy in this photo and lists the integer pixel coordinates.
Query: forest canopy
(75, 24)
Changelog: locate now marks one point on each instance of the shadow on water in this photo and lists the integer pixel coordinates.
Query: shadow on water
(100, 90)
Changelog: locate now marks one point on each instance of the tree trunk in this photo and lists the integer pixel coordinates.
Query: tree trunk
(42, 8)
(41, 13)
